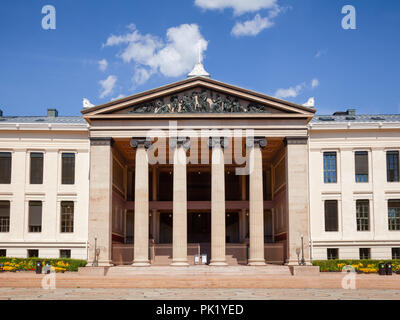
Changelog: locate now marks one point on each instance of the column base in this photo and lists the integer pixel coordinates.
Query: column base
(141, 263)
(218, 263)
(256, 262)
(179, 263)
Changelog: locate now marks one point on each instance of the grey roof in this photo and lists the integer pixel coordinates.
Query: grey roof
(43, 119)
(356, 118)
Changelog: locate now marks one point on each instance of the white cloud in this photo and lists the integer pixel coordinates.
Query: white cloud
(103, 64)
(291, 92)
(107, 86)
(120, 96)
(320, 53)
(239, 6)
(314, 83)
(251, 27)
(149, 54)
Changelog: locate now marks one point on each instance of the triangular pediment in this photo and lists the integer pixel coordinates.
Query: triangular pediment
(197, 96)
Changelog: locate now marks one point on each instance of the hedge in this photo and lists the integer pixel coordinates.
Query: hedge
(365, 266)
(20, 264)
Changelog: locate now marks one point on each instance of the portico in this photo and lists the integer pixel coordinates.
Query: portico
(198, 166)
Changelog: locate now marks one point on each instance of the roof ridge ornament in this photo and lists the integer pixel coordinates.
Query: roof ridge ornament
(199, 70)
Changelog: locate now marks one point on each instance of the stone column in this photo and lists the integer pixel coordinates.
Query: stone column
(218, 238)
(297, 198)
(100, 201)
(179, 222)
(256, 205)
(141, 242)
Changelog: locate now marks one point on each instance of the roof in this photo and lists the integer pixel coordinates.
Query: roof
(359, 118)
(43, 119)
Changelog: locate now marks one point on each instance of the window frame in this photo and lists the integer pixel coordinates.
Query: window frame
(63, 155)
(361, 177)
(360, 219)
(35, 228)
(395, 256)
(393, 222)
(41, 180)
(5, 253)
(71, 225)
(6, 221)
(329, 257)
(8, 179)
(65, 250)
(326, 220)
(397, 174)
(330, 175)
(361, 255)
(28, 251)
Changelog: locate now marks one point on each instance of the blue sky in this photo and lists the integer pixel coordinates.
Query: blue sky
(288, 48)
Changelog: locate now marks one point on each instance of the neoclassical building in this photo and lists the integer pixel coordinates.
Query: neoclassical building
(200, 167)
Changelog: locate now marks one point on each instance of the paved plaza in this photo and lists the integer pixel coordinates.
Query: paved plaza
(196, 294)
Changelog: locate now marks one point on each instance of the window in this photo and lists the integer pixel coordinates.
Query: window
(362, 210)
(68, 168)
(361, 165)
(33, 253)
(3, 253)
(36, 168)
(4, 216)
(331, 215)
(365, 253)
(65, 254)
(394, 215)
(392, 166)
(5, 167)
(395, 253)
(35, 216)
(330, 167)
(67, 217)
(333, 254)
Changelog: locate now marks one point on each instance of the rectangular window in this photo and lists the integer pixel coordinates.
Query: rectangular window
(4, 216)
(3, 253)
(35, 216)
(392, 166)
(333, 253)
(331, 215)
(365, 253)
(68, 168)
(36, 168)
(65, 254)
(361, 165)
(67, 217)
(362, 210)
(394, 215)
(33, 253)
(330, 167)
(395, 253)
(5, 167)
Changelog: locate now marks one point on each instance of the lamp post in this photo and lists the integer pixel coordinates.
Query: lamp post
(303, 261)
(95, 262)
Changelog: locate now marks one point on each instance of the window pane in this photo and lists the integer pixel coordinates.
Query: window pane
(4, 216)
(35, 216)
(361, 166)
(333, 253)
(33, 253)
(362, 209)
(365, 253)
(65, 254)
(394, 215)
(67, 217)
(392, 166)
(5, 167)
(68, 168)
(395, 253)
(331, 215)
(3, 253)
(330, 167)
(36, 168)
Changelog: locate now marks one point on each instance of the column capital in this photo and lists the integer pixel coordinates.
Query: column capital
(141, 143)
(217, 142)
(100, 141)
(260, 142)
(296, 140)
(176, 142)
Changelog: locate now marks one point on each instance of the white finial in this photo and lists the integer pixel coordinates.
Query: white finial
(198, 70)
(86, 104)
(310, 103)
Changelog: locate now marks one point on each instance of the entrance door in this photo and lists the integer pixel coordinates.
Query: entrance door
(165, 228)
(199, 227)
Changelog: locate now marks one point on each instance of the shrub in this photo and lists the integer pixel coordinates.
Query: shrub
(365, 266)
(21, 264)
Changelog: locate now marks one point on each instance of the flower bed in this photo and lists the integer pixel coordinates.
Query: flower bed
(362, 266)
(60, 265)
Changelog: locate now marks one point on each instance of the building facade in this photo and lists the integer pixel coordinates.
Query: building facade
(200, 167)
